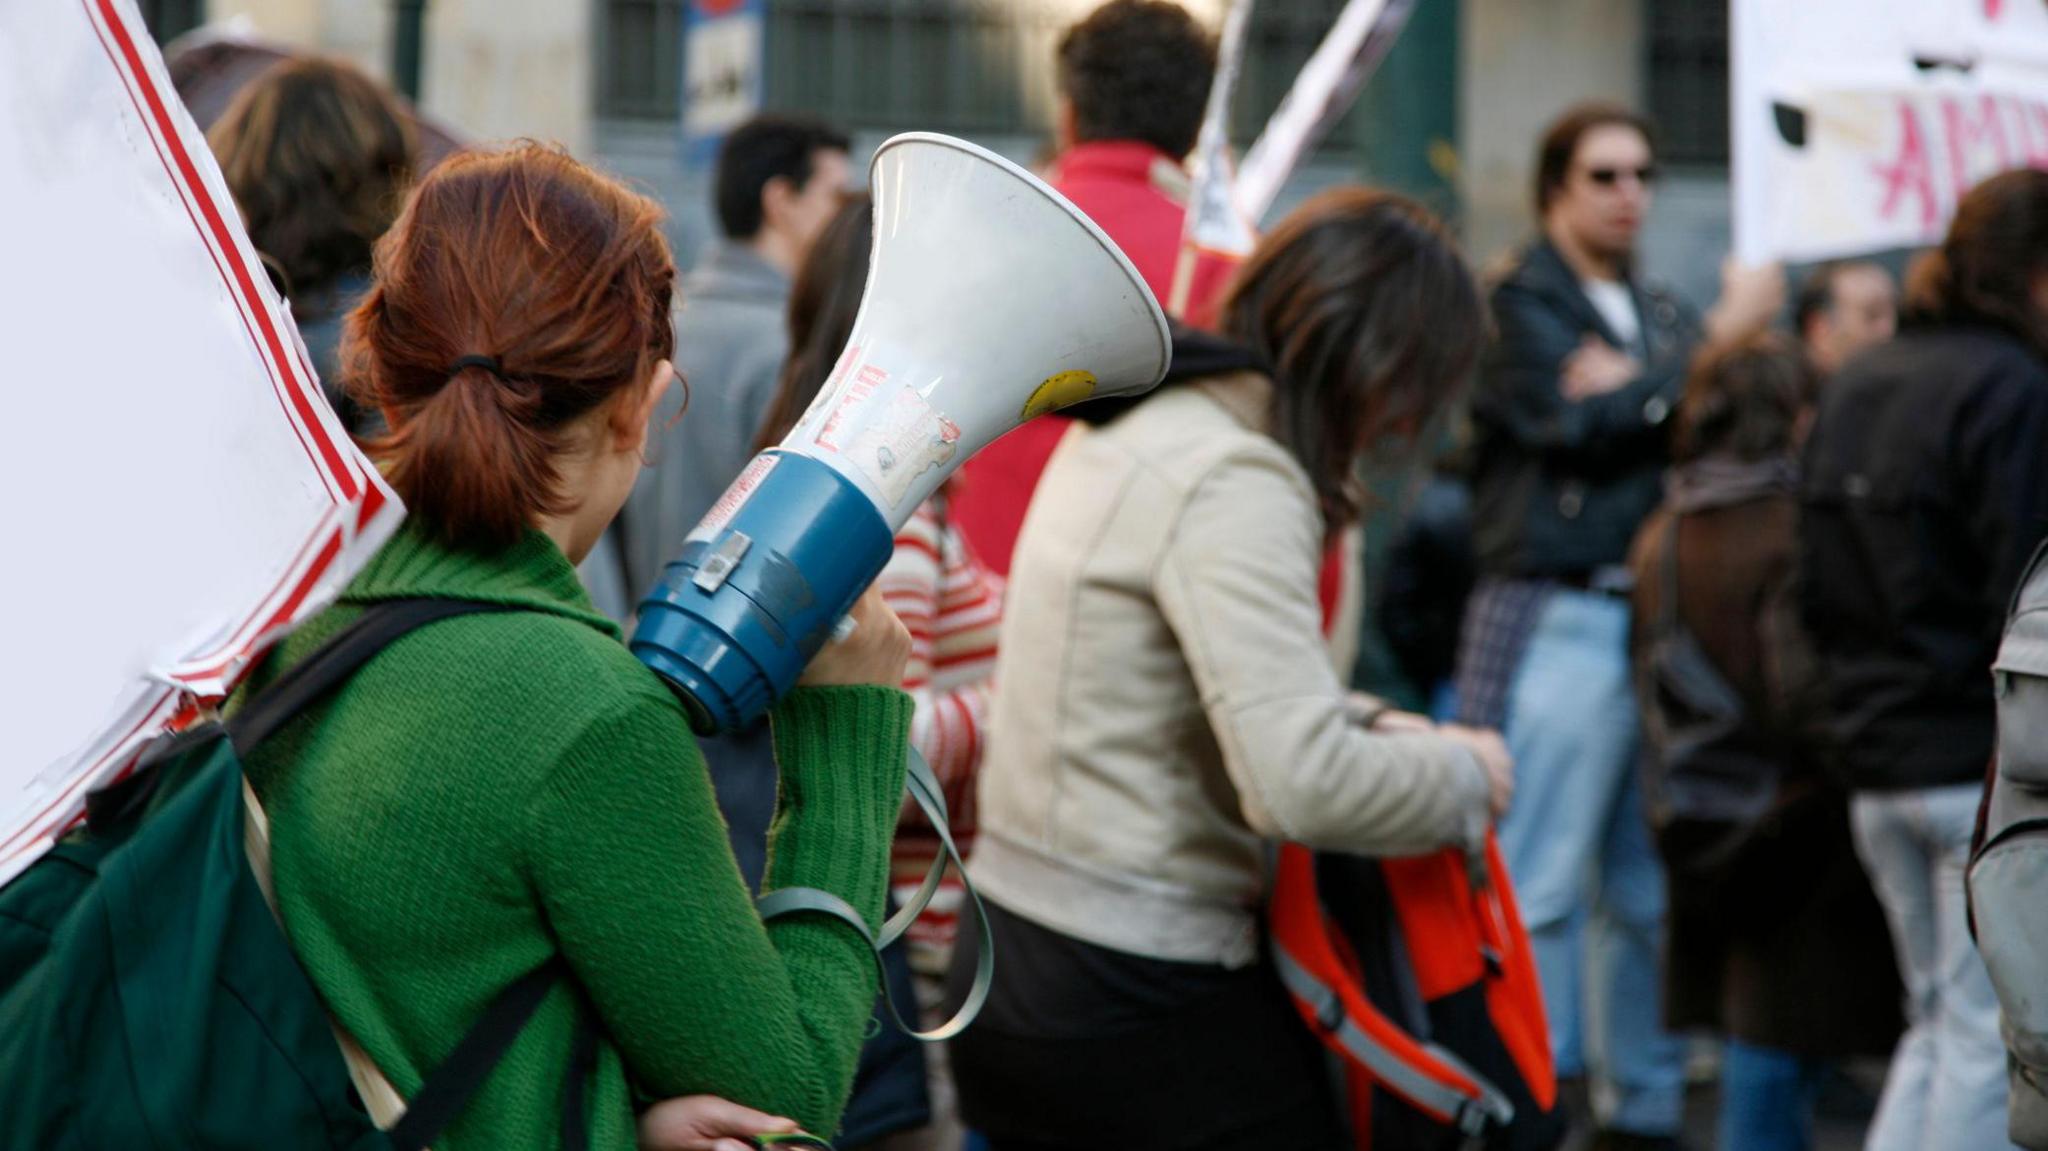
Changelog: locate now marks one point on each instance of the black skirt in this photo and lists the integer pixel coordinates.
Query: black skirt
(1080, 1047)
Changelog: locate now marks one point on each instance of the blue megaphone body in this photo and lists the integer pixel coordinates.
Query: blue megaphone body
(990, 299)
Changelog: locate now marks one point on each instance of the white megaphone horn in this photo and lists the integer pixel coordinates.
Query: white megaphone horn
(990, 299)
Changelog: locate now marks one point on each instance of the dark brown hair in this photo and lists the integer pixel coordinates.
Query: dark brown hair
(318, 157)
(1744, 400)
(1561, 142)
(822, 306)
(1369, 322)
(766, 148)
(525, 256)
(1138, 70)
(1983, 272)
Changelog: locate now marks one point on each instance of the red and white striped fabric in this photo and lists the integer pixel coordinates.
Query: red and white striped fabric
(952, 606)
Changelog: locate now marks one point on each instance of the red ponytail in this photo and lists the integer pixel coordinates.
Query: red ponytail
(529, 259)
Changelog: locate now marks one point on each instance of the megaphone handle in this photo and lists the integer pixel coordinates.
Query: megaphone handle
(844, 628)
(930, 798)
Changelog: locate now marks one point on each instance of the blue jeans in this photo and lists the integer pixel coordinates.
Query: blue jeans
(1578, 847)
(1947, 1083)
(1767, 1098)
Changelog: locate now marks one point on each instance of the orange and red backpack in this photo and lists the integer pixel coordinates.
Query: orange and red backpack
(1418, 973)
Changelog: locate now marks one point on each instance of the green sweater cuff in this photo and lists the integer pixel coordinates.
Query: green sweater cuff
(841, 754)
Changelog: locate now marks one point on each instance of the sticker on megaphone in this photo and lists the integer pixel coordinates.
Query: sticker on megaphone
(886, 432)
(990, 299)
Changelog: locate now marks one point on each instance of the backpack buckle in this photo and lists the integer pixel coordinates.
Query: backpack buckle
(1330, 1012)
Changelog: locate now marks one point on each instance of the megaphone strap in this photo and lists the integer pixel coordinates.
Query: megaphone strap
(924, 790)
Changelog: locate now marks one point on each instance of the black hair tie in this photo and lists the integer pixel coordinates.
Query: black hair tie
(487, 363)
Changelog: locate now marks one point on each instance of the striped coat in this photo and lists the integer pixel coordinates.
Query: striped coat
(952, 606)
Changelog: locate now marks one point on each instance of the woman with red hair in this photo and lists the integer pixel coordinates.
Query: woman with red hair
(507, 788)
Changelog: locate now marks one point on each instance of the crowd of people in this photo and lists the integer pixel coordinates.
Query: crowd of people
(1703, 607)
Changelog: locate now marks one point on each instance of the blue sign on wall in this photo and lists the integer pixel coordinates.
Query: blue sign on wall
(723, 42)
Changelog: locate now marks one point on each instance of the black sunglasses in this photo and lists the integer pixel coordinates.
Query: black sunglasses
(1609, 177)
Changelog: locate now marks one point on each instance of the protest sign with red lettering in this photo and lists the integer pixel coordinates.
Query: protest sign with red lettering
(179, 492)
(1858, 124)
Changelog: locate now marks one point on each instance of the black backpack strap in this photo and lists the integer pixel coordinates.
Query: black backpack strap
(449, 1087)
(306, 681)
(576, 1093)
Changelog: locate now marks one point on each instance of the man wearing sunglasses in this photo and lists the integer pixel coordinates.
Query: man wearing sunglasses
(1570, 419)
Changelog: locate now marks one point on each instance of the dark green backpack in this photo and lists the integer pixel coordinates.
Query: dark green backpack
(148, 998)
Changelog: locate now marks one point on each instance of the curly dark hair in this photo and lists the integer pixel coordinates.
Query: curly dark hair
(1744, 399)
(1138, 70)
(318, 156)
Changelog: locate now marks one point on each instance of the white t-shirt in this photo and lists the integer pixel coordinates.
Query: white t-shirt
(1617, 306)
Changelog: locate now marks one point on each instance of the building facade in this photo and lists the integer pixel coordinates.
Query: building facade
(1451, 116)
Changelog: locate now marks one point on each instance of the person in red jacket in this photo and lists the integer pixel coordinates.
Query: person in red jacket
(1133, 78)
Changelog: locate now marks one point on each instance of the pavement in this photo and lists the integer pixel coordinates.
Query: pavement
(1842, 1116)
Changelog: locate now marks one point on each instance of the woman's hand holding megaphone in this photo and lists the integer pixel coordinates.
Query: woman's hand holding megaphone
(874, 651)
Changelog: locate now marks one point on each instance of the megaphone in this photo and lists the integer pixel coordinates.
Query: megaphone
(990, 300)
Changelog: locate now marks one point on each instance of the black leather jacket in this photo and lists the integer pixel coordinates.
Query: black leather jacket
(1559, 487)
(1925, 491)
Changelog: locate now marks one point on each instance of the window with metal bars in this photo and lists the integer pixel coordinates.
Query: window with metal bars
(639, 65)
(968, 66)
(1688, 79)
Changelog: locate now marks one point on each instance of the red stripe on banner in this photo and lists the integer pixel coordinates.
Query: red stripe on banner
(339, 476)
(185, 202)
(328, 456)
(240, 312)
(220, 657)
(306, 372)
(258, 625)
(373, 502)
(290, 607)
(339, 470)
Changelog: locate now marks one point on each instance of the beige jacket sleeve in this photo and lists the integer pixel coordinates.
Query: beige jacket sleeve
(1237, 584)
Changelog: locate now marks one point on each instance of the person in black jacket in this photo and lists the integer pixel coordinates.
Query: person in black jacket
(1570, 420)
(1925, 492)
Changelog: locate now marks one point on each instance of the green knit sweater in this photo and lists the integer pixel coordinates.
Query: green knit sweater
(498, 788)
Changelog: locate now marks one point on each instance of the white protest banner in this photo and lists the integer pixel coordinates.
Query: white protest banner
(179, 491)
(1327, 85)
(1213, 222)
(1858, 124)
